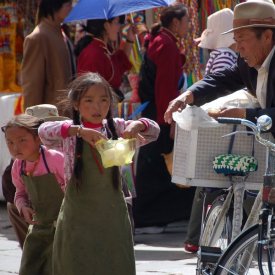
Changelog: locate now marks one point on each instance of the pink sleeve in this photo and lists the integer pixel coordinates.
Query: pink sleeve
(65, 129)
(21, 196)
(52, 135)
(150, 134)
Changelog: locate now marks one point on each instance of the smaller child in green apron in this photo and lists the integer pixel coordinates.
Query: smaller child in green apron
(38, 175)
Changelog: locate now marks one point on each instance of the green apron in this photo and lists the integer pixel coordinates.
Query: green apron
(93, 234)
(46, 197)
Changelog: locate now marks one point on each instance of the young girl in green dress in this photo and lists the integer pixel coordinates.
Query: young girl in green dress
(93, 234)
(38, 175)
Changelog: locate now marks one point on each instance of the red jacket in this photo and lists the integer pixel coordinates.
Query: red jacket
(97, 58)
(164, 53)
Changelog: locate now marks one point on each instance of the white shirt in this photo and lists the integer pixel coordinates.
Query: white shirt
(261, 89)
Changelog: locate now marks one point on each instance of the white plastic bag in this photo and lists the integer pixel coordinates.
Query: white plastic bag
(193, 117)
(238, 99)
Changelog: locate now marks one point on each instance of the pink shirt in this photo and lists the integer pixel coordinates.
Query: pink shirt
(55, 161)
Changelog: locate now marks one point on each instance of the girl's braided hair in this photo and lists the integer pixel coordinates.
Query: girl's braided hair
(77, 90)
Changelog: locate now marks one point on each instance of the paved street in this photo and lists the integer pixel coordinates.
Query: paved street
(160, 254)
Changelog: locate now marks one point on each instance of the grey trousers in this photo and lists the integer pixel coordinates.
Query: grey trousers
(194, 226)
(18, 223)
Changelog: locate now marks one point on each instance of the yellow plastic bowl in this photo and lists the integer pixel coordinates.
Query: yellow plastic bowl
(116, 152)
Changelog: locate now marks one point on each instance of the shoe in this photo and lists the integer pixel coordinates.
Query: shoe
(191, 247)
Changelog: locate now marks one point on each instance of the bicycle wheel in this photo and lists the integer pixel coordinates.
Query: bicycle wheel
(241, 256)
(220, 235)
(214, 236)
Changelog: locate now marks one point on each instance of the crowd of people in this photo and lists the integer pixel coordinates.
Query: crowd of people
(70, 212)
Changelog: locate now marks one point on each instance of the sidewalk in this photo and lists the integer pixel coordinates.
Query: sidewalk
(158, 251)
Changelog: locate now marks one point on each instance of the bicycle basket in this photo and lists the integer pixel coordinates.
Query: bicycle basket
(230, 164)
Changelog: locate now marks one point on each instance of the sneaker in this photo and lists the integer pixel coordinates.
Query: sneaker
(191, 247)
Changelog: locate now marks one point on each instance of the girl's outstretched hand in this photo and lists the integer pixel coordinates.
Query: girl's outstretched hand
(133, 130)
(91, 135)
(28, 214)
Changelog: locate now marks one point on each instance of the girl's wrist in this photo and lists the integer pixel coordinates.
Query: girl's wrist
(78, 132)
(144, 125)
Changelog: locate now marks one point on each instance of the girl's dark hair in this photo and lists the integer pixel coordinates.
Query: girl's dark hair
(30, 123)
(77, 90)
(167, 15)
(49, 7)
(94, 28)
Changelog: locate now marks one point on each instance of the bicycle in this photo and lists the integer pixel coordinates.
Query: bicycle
(223, 221)
(253, 250)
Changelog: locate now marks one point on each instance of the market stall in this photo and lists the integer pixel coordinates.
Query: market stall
(9, 104)
(16, 21)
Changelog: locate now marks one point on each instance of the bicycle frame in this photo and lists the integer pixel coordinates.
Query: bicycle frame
(265, 233)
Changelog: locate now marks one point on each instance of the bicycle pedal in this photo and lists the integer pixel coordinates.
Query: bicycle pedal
(209, 254)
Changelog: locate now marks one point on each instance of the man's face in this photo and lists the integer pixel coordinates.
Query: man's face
(253, 49)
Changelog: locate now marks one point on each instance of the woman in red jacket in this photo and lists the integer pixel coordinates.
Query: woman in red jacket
(158, 200)
(95, 55)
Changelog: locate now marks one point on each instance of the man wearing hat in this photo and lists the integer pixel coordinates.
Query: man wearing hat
(253, 29)
(222, 55)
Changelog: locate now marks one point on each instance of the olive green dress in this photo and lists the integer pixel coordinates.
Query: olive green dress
(93, 234)
(46, 197)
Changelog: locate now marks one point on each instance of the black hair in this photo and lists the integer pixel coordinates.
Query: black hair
(94, 28)
(49, 8)
(167, 15)
(28, 122)
(77, 90)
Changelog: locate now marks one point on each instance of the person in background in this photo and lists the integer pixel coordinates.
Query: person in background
(254, 34)
(18, 222)
(222, 55)
(253, 28)
(38, 175)
(95, 55)
(47, 58)
(93, 234)
(158, 200)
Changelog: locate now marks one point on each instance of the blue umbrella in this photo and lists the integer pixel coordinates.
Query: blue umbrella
(106, 9)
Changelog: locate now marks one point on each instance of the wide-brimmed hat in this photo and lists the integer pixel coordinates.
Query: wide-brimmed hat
(47, 112)
(251, 14)
(218, 22)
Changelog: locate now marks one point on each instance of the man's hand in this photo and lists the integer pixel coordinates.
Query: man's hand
(178, 104)
(228, 112)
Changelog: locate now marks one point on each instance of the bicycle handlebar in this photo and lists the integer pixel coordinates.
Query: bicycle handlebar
(263, 123)
(229, 120)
